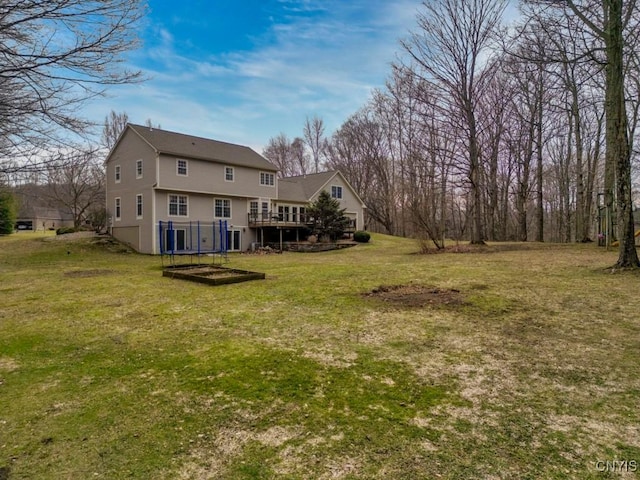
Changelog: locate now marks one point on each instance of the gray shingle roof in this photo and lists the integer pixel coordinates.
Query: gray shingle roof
(181, 145)
(44, 213)
(302, 188)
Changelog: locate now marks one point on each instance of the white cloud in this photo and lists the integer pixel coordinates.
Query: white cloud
(322, 64)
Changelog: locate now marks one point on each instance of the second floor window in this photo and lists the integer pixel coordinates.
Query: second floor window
(228, 174)
(336, 191)
(138, 168)
(222, 208)
(181, 167)
(117, 173)
(267, 178)
(178, 205)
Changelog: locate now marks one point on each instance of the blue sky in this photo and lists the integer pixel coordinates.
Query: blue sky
(243, 71)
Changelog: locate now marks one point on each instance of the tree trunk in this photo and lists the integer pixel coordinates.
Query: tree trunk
(539, 167)
(580, 203)
(477, 232)
(617, 141)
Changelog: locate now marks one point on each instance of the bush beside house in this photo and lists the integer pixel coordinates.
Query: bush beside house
(361, 236)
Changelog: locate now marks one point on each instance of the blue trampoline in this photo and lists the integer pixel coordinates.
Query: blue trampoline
(194, 239)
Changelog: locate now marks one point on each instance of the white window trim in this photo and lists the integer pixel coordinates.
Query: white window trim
(233, 174)
(117, 209)
(139, 175)
(117, 174)
(272, 176)
(141, 214)
(186, 163)
(230, 208)
(341, 192)
(169, 205)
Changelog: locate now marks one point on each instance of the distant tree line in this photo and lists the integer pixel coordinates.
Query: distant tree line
(484, 132)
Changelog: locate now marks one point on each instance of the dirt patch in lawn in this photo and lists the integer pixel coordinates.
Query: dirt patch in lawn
(416, 295)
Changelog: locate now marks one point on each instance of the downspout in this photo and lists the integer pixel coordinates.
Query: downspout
(154, 235)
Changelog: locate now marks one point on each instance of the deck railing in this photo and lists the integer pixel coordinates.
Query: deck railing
(292, 220)
(275, 219)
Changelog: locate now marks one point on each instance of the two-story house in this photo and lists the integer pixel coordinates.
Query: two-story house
(156, 176)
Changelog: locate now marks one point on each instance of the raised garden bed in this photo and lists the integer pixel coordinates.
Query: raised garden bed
(210, 274)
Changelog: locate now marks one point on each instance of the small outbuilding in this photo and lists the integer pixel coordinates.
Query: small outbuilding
(42, 218)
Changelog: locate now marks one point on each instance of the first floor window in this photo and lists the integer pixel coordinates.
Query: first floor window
(139, 206)
(267, 179)
(253, 209)
(222, 208)
(118, 208)
(178, 205)
(336, 192)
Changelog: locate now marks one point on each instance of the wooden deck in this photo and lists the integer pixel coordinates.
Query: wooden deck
(279, 221)
(286, 221)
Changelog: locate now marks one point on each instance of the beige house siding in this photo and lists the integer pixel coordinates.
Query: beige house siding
(349, 201)
(201, 207)
(126, 153)
(209, 177)
(130, 236)
(130, 149)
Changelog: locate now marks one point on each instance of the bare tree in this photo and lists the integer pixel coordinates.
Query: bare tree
(452, 42)
(289, 156)
(343, 154)
(359, 149)
(499, 117)
(76, 182)
(299, 156)
(55, 56)
(114, 125)
(314, 137)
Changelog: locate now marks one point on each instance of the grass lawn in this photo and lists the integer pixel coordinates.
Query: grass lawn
(109, 370)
